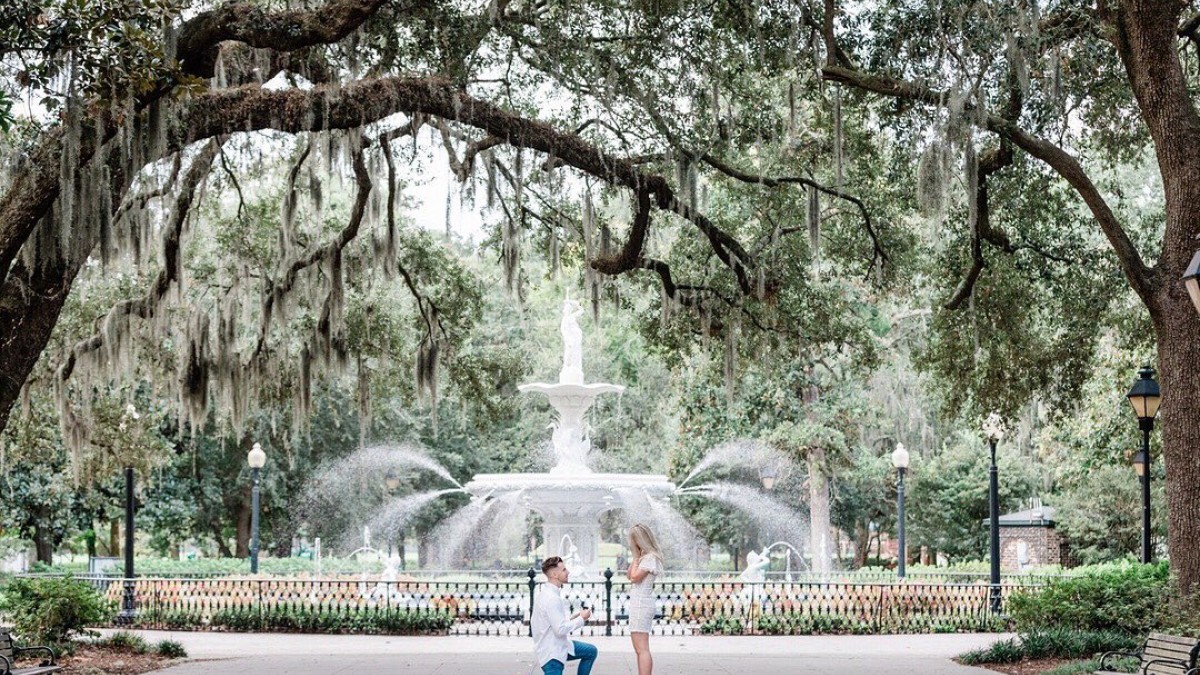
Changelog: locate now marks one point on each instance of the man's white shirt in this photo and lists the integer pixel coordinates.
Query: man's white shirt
(551, 626)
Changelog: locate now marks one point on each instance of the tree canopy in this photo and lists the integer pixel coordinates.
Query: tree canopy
(799, 183)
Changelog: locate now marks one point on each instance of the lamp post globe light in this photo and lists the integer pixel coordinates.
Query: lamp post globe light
(1145, 398)
(256, 458)
(900, 461)
(994, 428)
(1191, 279)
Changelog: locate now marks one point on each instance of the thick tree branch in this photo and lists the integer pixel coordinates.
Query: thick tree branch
(201, 36)
(1140, 277)
(294, 111)
(145, 306)
(142, 199)
(277, 290)
(775, 181)
(462, 168)
(1144, 34)
(1188, 29)
(35, 188)
(630, 254)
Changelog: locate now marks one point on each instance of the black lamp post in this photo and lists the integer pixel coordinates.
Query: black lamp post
(1141, 466)
(1145, 398)
(1191, 279)
(256, 458)
(900, 461)
(993, 427)
(125, 617)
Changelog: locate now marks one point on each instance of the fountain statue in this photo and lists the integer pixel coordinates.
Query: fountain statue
(757, 562)
(571, 497)
(756, 566)
(572, 335)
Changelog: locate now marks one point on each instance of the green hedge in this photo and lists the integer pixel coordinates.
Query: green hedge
(303, 620)
(1128, 598)
(52, 611)
(171, 567)
(833, 624)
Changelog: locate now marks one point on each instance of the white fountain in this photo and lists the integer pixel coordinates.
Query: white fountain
(571, 497)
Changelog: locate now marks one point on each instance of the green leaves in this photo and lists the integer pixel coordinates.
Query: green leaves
(6, 116)
(52, 611)
(1125, 598)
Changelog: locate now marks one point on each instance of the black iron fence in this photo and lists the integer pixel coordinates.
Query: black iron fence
(371, 605)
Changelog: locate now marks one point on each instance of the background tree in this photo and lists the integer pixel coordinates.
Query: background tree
(1014, 74)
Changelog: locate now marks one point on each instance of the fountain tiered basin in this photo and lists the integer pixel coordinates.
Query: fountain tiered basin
(570, 497)
(571, 505)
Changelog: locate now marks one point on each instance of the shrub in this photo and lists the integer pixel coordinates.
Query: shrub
(722, 625)
(1001, 651)
(1126, 597)
(170, 649)
(325, 620)
(126, 641)
(53, 611)
(1182, 617)
(1066, 643)
(1062, 643)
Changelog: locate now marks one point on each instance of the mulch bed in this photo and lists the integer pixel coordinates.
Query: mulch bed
(1029, 667)
(93, 660)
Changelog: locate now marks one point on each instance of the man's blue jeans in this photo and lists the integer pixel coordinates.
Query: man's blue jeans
(586, 654)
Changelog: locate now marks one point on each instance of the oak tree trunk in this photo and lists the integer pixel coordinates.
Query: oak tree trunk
(42, 542)
(818, 510)
(862, 542)
(1147, 43)
(242, 544)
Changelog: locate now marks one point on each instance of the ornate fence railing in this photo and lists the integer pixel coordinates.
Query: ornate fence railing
(502, 607)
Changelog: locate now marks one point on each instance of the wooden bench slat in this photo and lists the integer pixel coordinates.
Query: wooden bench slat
(1170, 657)
(1163, 669)
(1185, 654)
(1152, 656)
(1160, 666)
(40, 670)
(1174, 639)
(1172, 648)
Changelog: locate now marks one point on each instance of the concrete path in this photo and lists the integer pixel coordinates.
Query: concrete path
(267, 654)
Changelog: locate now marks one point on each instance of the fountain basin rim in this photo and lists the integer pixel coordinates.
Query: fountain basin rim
(567, 389)
(557, 481)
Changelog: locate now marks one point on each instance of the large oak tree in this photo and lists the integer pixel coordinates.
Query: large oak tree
(660, 99)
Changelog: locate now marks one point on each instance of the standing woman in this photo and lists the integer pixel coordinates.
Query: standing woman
(647, 564)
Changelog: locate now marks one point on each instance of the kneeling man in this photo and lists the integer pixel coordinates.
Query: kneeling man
(552, 627)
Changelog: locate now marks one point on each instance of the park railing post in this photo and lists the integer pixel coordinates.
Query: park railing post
(608, 575)
(532, 586)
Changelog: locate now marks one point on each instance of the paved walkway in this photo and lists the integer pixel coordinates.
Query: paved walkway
(268, 654)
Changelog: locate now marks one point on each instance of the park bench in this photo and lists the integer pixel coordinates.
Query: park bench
(1161, 655)
(10, 652)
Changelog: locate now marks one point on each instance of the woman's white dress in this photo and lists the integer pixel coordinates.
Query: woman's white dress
(641, 596)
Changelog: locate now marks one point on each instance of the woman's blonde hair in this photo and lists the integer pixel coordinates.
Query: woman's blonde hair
(643, 543)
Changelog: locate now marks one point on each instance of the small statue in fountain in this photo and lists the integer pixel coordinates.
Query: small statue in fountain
(756, 566)
(572, 335)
